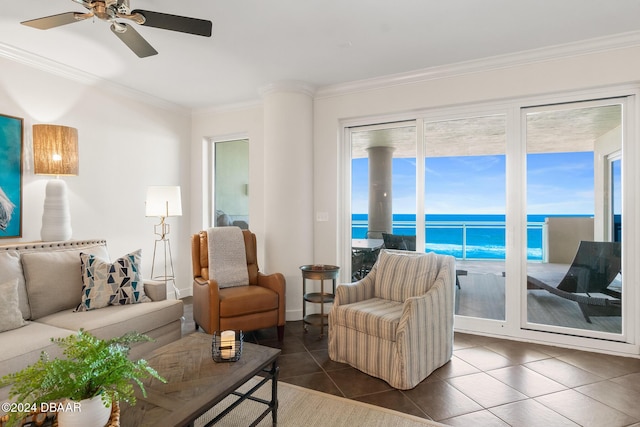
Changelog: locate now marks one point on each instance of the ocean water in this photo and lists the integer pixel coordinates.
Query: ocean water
(463, 236)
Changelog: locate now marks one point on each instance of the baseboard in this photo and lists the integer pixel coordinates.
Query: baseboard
(293, 315)
(182, 293)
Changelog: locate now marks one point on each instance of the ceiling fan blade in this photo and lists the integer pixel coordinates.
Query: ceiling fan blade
(54, 20)
(133, 40)
(183, 24)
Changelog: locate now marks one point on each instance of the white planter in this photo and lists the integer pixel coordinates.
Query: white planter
(86, 413)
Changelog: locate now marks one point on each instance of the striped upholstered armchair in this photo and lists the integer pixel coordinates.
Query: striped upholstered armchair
(396, 323)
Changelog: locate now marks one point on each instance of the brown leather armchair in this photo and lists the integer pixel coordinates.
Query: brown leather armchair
(247, 308)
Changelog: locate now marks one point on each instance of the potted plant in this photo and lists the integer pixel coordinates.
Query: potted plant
(92, 370)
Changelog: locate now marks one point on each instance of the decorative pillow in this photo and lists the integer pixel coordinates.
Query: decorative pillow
(105, 283)
(11, 317)
(11, 268)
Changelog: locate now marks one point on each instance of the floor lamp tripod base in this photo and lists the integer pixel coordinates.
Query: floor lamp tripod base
(169, 275)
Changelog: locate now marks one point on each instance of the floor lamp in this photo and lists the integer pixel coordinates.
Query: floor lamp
(55, 152)
(163, 202)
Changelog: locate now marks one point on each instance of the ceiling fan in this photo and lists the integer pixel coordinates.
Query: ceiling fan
(115, 11)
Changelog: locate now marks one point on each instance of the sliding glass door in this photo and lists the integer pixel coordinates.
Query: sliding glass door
(574, 254)
(533, 199)
(465, 207)
(383, 192)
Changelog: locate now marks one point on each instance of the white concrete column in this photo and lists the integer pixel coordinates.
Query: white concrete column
(288, 185)
(380, 187)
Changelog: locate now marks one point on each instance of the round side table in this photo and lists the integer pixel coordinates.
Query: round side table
(319, 272)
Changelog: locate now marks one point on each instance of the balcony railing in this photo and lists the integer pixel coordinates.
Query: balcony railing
(466, 239)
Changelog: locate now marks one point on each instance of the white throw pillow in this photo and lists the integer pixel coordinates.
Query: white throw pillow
(11, 268)
(11, 317)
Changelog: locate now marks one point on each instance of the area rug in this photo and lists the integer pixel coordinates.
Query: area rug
(309, 408)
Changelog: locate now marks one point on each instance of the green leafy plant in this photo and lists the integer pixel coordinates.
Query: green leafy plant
(91, 367)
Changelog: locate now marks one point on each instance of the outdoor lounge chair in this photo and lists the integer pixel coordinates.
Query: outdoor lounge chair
(594, 267)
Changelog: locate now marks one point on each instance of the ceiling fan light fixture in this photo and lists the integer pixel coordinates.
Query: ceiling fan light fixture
(118, 27)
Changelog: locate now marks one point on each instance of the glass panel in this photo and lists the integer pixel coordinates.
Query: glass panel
(383, 192)
(231, 178)
(573, 271)
(616, 200)
(465, 193)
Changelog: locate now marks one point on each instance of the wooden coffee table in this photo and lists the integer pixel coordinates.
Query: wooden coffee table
(195, 383)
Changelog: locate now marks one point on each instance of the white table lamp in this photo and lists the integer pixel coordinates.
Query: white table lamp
(55, 152)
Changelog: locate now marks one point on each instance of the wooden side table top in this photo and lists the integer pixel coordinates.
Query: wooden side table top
(195, 383)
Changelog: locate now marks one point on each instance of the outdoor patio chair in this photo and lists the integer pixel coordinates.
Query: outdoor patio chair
(399, 242)
(396, 323)
(357, 264)
(594, 267)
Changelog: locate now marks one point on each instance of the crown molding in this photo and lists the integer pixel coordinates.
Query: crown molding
(53, 67)
(227, 108)
(288, 86)
(584, 47)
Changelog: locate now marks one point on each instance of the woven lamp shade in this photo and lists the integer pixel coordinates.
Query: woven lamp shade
(55, 150)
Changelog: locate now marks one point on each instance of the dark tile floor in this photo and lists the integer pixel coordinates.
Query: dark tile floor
(489, 382)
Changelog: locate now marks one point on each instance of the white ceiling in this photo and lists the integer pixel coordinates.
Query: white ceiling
(320, 42)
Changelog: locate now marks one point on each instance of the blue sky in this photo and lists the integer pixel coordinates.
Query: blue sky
(557, 183)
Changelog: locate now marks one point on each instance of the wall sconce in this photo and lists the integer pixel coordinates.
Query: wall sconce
(55, 152)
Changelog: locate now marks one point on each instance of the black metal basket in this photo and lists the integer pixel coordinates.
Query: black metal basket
(225, 351)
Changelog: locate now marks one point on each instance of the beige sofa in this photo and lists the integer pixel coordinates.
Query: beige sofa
(50, 288)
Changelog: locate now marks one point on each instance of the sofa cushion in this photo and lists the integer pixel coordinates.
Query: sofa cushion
(244, 300)
(105, 283)
(11, 316)
(401, 274)
(21, 347)
(375, 316)
(53, 278)
(116, 320)
(11, 268)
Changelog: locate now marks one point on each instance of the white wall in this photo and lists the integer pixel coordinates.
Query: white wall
(125, 145)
